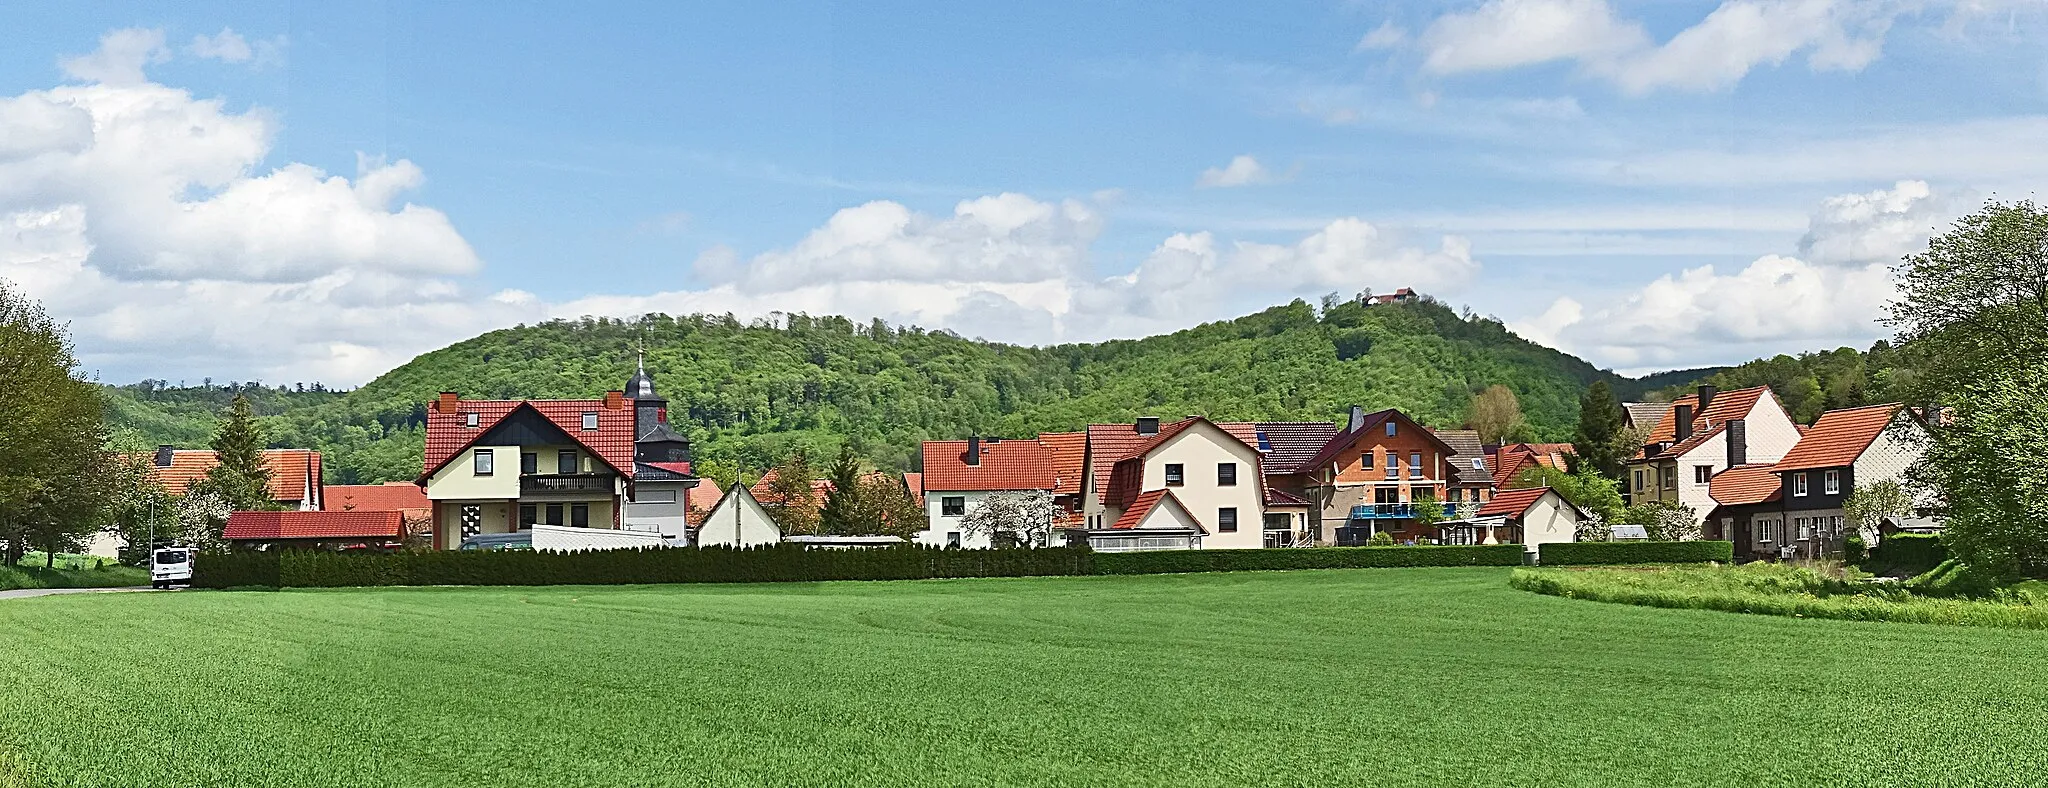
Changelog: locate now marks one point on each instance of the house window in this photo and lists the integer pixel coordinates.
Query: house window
(1390, 429)
(1639, 478)
(1393, 467)
(469, 420)
(589, 421)
(1175, 475)
(1670, 475)
(579, 515)
(1226, 474)
(484, 462)
(655, 496)
(953, 505)
(1799, 484)
(529, 462)
(1415, 465)
(1226, 519)
(565, 461)
(554, 514)
(1702, 474)
(952, 538)
(1831, 482)
(1805, 530)
(1457, 495)
(528, 515)
(1365, 460)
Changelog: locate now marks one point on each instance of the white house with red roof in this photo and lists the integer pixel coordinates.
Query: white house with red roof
(500, 466)
(1703, 434)
(1213, 471)
(959, 474)
(1793, 506)
(1532, 516)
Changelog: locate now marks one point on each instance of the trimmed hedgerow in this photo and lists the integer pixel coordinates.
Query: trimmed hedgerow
(1176, 561)
(236, 570)
(1605, 553)
(780, 563)
(1906, 555)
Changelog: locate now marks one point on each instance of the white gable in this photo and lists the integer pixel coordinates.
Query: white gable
(1169, 514)
(738, 520)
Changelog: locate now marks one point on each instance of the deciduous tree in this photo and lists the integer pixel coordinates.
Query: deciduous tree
(1023, 516)
(1871, 503)
(52, 435)
(790, 495)
(1496, 414)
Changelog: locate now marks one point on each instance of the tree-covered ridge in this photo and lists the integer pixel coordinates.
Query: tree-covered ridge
(749, 393)
(1811, 383)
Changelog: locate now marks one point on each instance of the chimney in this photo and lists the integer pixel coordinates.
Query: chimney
(974, 451)
(1683, 415)
(614, 400)
(163, 456)
(446, 402)
(1148, 425)
(1738, 443)
(1706, 394)
(1357, 419)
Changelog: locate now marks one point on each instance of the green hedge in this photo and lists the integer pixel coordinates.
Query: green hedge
(1906, 555)
(1601, 553)
(781, 563)
(1174, 561)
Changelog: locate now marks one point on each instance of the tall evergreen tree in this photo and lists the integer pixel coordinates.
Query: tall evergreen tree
(240, 478)
(1600, 423)
(842, 510)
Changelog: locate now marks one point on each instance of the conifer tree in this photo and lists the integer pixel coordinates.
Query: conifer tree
(841, 514)
(1600, 421)
(240, 478)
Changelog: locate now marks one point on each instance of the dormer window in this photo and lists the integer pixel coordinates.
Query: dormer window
(590, 421)
(469, 420)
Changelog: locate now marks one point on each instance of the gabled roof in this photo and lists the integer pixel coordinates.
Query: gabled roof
(290, 471)
(387, 497)
(1839, 437)
(914, 482)
(698, 500)
(1005, 465)
(1725, 405)
(1745, 484)
(1144, 504)
(448, 433)
(1645, 415)
(1513, 503)
(1127, 474)
(1069, 453)
(1109, 444)
(1463, 443)
(1288, 444)
(1511, 460)
(314, 525)
(1283, 498)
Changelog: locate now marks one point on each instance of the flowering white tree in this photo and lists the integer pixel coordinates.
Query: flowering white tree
(202, 517)
(1023, 515)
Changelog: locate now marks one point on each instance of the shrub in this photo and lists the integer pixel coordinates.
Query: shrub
(1779, 590)
(1175, 561)
(1380, 539)
(1601, 553)
(235, 570)
(1853, 551)
(785, 562)
(1906, 555)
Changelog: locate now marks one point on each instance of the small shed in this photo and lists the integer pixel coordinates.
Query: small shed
(738, 520)
(1539, 514)
(316, 530)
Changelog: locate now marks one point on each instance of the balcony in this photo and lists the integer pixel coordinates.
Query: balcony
(567, 483)
(1395, 511)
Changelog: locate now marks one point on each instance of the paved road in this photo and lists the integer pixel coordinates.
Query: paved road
(23, 593)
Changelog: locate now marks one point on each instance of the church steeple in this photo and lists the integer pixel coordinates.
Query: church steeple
(653, 440)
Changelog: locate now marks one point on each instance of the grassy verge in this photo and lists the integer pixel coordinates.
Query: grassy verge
(112, 576)
(1781, 590)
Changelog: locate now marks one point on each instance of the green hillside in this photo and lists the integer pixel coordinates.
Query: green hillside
(749, 393)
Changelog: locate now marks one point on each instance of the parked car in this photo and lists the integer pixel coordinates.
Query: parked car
(170, 565)
(522, 540)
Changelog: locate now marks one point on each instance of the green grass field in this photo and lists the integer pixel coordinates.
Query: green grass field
(1344, 677)
(33, 575)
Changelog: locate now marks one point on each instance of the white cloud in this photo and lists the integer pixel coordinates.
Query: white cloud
(120, 58)
(1241, 171)
(1714, 54)
(227, 46)
(1774, 304)
(1387, 36)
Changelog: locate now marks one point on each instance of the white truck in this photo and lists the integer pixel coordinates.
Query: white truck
(168, 565)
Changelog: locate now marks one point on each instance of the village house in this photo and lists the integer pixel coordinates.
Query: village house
(1703, 434)
(578, 463)
(295, 474)
(959, 474)
(1193, 482)
(737, 519)
(1370, 478)
(1472, 482)
(1510, 461)
(1530, 516)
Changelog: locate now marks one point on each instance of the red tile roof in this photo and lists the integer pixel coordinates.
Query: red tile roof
(1745, 484)
(448, 433)
(1109, 444)
(1069, 452)
(760, 488)
(1511, 460)
(1283, 498)
(1724, 406)
(1371, 425)
(1005, 465)
(403, 497)
(698, 500)
(914, 482)
(1127, 474)
(1142, 506)
(314, 525)
(1512, 503)
(290, 469)
(672, 467)
(1839, 437)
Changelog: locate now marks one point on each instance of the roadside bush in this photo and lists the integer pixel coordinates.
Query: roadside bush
(1176, 561)
(1608, 553)
(1906, 555)
(1854, 552)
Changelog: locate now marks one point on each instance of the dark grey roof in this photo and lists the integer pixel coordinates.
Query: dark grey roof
(641, 386)
(1467, 447)
(1288, 444)
(642, 472)
(1465, 442)
(660, 433)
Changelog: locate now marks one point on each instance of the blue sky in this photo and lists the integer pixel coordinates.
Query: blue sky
(1646, 184)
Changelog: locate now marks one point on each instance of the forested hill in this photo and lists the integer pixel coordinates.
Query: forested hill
(749, 393)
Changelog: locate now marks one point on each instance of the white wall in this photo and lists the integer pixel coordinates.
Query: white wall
(664, 517)
(1198, 449)
(562, 539)
(1550, 520)
(1890, 455)
(942, 525)
(738, 521)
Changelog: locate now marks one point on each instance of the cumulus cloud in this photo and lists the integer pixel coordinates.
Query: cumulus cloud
(227, 45)
(1241, 171)
(1833, 294)
(120, 58)
(1713, 54)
